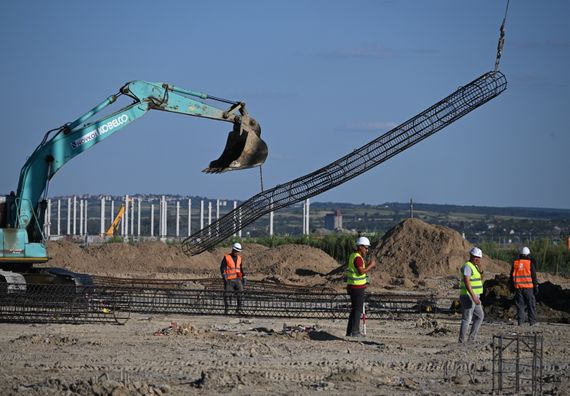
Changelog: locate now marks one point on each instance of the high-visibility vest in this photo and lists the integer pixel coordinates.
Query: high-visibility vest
(522, 278)
(353, 277)
(476, 280)
(233, 269)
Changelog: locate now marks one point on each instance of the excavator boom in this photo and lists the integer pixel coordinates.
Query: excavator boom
(22, 211)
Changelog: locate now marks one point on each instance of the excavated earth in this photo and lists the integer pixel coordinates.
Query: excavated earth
(174, 354)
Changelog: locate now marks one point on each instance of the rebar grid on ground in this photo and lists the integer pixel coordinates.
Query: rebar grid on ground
(113, 301)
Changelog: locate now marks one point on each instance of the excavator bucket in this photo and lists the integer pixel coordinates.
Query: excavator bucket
(244, 148)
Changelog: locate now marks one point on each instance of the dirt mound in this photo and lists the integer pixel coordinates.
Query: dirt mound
(415, 249)
(146, 260)
(553, 302)
(291, 262)
(160, 260)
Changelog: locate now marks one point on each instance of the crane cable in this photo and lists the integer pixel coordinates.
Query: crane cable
(501, 42)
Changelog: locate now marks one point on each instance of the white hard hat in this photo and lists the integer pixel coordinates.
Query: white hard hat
(362, 241)
(525, 251)
(237, 247)
(476, 252)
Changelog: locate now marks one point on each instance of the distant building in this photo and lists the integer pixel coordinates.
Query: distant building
(333, 221)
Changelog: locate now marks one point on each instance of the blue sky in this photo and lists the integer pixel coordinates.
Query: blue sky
(321, 77)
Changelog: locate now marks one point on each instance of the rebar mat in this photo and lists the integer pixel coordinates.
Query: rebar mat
(114, 303)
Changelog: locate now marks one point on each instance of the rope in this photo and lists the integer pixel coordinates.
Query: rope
(501, 42)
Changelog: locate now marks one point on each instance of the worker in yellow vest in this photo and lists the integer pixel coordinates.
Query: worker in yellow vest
(356, 281)
(471, 287)
(234, 277)
(525, 284)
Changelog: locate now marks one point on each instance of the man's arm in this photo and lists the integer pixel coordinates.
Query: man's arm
(474, 297)
(223, 267)
(533, 273)
(534, 277)
(360, 267)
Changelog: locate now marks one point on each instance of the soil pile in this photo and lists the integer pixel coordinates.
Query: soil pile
(295, 263)
(552, 301)
(414, 249)
(158, 260)
(143, 260)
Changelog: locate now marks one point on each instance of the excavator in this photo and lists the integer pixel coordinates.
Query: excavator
(22, 212)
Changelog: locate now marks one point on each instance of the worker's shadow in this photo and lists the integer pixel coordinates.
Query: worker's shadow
(325, 336)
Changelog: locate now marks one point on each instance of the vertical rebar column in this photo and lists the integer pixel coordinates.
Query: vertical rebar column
(132, 207)
(125, 219)
(74, 215)
(139, 204)
(112, 216)
(59, 217)
(102, 215)
(235, 218)
(68, 216)
(201, 213)
(209, 216)
(47, 224)
(80, 217)
(500, 379)
(152, 220)
(517, 364)
(271, 220)
(177, 219)
(304, 217)
(494, 364)
(217, 214)
(308, 201)
(189, 216)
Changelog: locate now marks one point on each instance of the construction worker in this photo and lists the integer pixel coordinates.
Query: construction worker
(471, 287)
(356, 280)
(525, 285)
(234, 277)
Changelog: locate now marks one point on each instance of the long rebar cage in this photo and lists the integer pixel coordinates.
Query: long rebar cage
(113, 300)
(464, 100)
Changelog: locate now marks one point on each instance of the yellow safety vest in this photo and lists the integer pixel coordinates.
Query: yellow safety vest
(353, 277)
(476, 280)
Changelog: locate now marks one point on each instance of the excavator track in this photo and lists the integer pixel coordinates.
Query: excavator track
(112, 300)
(464, 100)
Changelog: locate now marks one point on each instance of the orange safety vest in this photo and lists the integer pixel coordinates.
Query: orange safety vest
(522, 278)
(233, 269)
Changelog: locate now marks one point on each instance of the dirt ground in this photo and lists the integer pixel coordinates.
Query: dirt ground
(174, 354)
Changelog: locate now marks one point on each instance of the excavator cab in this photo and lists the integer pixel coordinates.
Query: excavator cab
(244, 147)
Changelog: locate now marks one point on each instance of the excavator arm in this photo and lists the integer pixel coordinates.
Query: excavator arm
(22, 221)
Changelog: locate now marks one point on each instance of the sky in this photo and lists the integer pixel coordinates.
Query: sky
(322, 77)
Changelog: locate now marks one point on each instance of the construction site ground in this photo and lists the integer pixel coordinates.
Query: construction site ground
(248, 355)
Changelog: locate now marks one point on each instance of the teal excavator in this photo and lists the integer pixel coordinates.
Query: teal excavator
(22, 241)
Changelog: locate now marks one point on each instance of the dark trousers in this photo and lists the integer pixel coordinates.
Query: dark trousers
(233, 287)
(524, 298)
(357, 303)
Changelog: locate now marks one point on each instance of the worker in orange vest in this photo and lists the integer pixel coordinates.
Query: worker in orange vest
(234, 277)
(525, 285)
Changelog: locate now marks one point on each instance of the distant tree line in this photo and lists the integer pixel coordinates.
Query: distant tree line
(549, 257)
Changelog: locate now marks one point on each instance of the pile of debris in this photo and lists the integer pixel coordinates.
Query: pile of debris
(553, 302)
